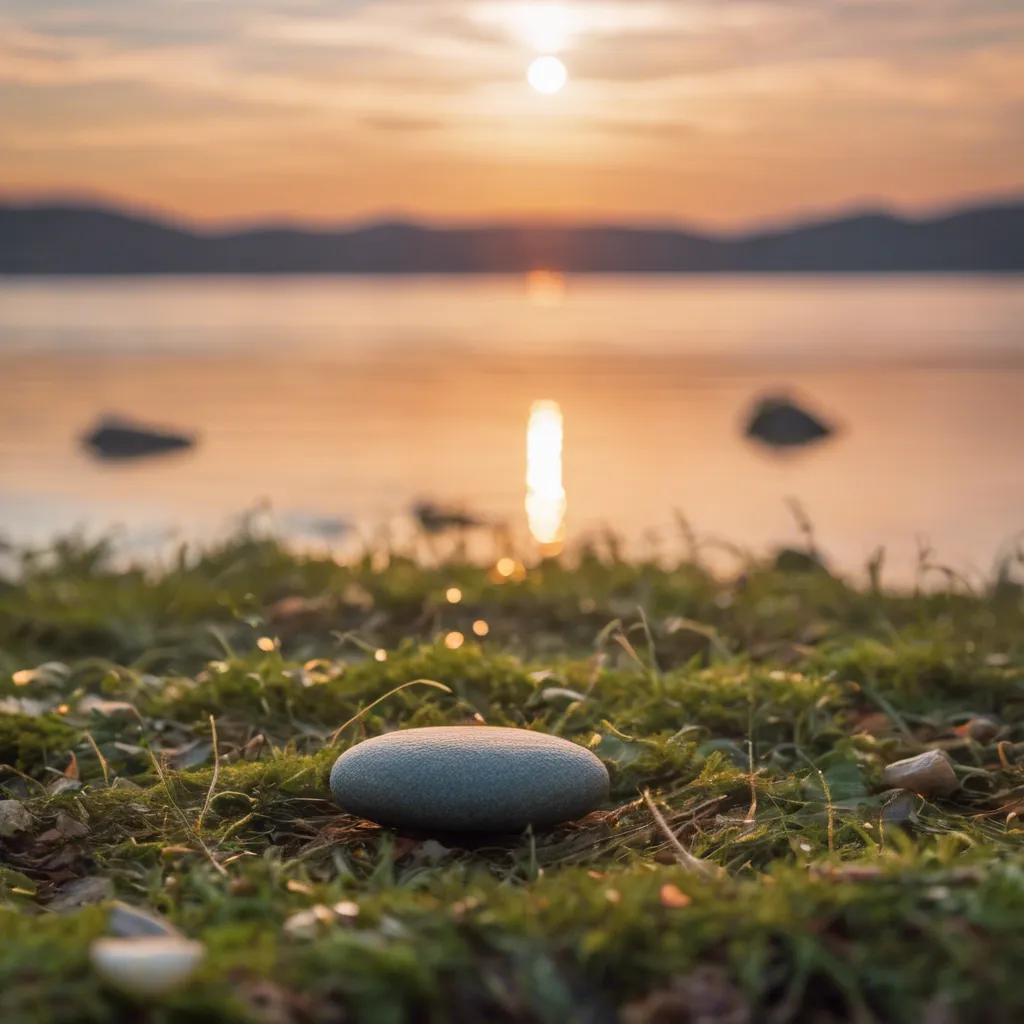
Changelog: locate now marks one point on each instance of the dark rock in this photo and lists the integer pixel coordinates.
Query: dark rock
(119, 439)
(778, 422)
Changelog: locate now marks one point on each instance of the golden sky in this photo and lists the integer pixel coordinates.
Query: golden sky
(717, 112)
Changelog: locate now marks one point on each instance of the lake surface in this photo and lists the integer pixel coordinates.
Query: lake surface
(336, 397)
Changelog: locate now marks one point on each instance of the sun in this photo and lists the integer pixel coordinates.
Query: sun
(547, 75)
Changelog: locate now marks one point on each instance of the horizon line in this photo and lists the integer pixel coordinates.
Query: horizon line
(787, 221)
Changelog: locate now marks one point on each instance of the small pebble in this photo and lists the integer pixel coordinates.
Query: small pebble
(929, 774)
(14, 818)
(981, 729)
(461, 779)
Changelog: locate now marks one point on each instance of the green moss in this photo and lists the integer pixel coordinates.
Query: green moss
(31, 743)
(757, 715)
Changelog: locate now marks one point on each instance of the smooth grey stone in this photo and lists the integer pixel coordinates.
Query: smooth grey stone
(469, 779)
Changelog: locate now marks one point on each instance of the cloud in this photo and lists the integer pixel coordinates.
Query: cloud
(786, 88)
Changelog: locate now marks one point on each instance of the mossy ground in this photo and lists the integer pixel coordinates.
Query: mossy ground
(756, 712)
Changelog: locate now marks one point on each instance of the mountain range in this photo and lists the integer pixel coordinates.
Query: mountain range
(83, 239)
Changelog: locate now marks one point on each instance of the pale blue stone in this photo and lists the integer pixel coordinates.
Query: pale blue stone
(469, 779)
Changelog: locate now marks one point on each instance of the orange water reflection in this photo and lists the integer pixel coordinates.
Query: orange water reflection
(332, 398)
(545, 493)
(545, 287)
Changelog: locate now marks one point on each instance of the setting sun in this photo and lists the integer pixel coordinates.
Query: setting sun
(548, 75)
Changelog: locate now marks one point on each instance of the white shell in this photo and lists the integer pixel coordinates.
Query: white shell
(150, 966)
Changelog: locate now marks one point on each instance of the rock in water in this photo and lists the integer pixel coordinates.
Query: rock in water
(778, 422)
(468, 779)
(119, 439)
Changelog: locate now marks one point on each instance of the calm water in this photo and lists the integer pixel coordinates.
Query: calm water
(351, 398)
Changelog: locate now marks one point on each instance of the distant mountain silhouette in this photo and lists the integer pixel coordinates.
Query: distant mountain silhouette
(66, 239)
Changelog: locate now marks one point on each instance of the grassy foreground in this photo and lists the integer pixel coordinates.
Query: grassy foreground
(745, 723)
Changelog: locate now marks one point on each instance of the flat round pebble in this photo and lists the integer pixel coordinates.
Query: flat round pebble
(468, 779)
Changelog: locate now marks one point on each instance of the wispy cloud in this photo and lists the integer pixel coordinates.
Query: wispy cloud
(705, 109)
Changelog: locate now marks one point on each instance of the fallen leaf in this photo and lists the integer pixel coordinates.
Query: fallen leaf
(671, 896)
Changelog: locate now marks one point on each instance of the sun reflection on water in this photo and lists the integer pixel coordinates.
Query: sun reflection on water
(545, 493)
(545, 287)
